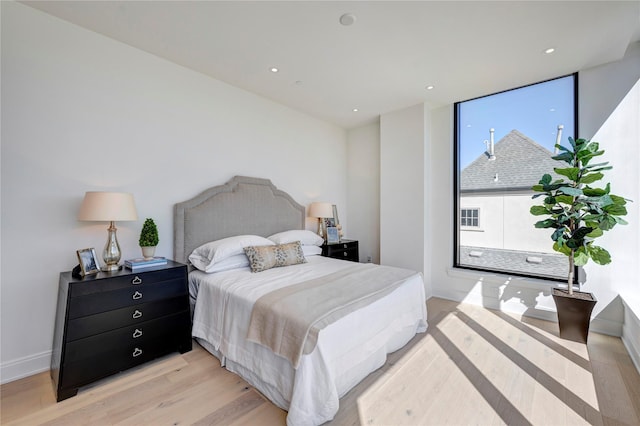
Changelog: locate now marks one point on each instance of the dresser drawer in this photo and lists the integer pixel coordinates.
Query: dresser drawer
(346, 250)
(139, 334)
(117, 318)
(131, 295)
(131, 280)
(118, 359)
(347, 253)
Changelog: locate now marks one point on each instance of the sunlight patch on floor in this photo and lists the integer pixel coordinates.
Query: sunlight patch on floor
(483, 357)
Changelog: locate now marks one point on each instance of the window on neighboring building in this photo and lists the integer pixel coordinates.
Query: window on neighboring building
(504, 144)
(469, 217)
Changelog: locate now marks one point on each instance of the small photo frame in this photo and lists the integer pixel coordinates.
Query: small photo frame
(88, 261)
(332, 235)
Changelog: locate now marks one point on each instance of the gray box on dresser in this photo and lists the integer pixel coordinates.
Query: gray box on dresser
(109, 322)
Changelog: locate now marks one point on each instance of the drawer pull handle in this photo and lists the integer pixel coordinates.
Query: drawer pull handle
(344, 245)
(344, 254)
(137, 352)
(136, 280)
(137, 333)
(137, 314)
(137, 295)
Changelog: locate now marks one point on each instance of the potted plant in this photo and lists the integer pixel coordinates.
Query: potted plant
(579, 214)
(148, 238)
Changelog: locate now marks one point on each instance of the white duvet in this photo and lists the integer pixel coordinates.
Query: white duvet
(346, 351)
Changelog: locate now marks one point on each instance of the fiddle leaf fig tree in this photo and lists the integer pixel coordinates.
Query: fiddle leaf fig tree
(149, 234)
(577, 212)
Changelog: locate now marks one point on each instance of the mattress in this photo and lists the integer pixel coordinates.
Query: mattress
(346, 351)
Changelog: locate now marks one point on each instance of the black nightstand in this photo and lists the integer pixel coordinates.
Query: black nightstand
(345, 250)
(111, 321)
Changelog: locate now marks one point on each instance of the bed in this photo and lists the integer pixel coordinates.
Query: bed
(309, 377)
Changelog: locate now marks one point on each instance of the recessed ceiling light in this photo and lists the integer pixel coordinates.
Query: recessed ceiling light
(550, 50)
(429, 87)
(273, 69)
(347, 19)
(355, 110)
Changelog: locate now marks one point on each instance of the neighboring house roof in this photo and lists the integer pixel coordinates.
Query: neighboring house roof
(534, 263)
(519, 164)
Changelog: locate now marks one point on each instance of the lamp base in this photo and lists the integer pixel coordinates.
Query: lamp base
(111, 268)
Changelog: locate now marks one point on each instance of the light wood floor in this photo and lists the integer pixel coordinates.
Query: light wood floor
(473, 366)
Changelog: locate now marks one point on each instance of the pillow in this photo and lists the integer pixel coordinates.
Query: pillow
(233, 262)
(306, 238)
(207, 255)
(311, 251)
(262, 258)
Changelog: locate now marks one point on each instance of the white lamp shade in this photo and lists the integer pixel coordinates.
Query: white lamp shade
(107, 206)
(321, 210)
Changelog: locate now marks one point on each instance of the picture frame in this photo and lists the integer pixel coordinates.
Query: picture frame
(88, 260)
(332, 235)
(336, 222)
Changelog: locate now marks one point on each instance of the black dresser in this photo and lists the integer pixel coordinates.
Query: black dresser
(345, 249)
(109, 322)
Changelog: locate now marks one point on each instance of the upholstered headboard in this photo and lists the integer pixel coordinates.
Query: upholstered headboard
(242, 206)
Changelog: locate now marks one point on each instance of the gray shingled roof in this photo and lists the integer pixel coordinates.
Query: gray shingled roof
(550, 264)
(519, 164)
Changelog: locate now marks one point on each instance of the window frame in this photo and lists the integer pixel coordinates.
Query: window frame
(457, 208)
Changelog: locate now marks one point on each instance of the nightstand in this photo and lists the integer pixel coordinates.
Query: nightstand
(112, 321)
(345, 249)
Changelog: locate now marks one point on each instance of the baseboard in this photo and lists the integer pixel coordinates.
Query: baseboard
(605, 326)
(597, 325)
(631, 335)
(24, 367)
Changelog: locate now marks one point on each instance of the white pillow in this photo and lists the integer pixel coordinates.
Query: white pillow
(207, 255)
(233, 262)
(311, 250)
(306, 238)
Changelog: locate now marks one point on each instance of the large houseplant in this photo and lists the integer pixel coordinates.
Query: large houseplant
(148, 238)
(578, 214)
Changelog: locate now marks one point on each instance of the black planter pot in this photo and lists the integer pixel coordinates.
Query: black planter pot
(574, 313)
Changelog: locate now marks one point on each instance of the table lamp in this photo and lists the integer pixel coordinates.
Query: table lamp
(108, 207)
(321, 211)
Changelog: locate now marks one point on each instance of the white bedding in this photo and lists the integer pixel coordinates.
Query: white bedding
(346, 351)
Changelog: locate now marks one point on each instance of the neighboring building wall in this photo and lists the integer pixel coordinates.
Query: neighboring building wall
(505, 223)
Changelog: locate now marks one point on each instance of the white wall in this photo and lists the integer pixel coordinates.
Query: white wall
(363, 190)
(83, 112)
(405, 147)
(402, 141)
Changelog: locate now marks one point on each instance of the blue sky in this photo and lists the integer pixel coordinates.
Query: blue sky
(535, 111)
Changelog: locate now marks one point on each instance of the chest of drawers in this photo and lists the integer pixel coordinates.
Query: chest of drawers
(345, 249)
(109, 322)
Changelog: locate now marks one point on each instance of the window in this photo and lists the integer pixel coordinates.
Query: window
(469, 217)
(504, 143)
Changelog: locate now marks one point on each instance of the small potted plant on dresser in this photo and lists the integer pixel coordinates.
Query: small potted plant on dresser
(578, 214)
(148, 238)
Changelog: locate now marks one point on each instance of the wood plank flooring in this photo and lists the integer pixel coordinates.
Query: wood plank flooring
(473, 366)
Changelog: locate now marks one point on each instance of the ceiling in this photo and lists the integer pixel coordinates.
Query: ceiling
(383, 61)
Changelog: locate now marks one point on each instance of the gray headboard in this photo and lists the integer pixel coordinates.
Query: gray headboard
(244, 205)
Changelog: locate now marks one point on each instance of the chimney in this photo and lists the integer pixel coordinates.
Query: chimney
(492, 155)
(558, 138)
